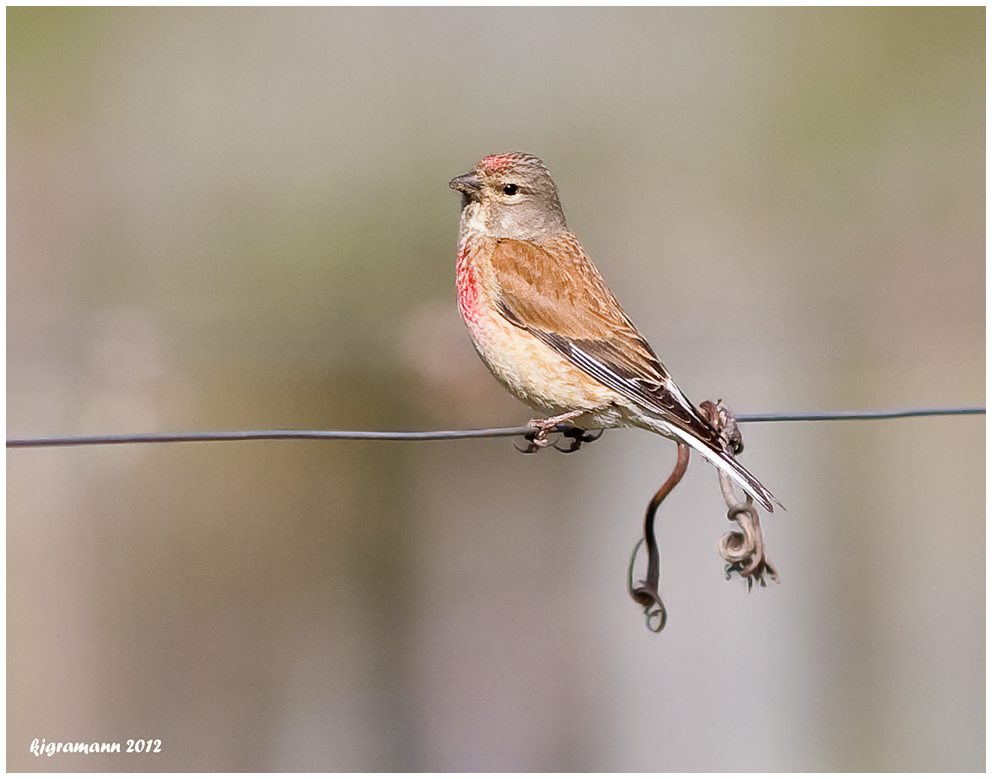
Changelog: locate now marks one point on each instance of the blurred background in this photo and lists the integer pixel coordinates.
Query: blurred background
(238, 219)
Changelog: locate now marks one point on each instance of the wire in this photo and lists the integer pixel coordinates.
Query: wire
(438, 435)
(272, 435)
(835, 416)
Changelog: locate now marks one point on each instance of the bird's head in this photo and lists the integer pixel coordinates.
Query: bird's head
(513, 196)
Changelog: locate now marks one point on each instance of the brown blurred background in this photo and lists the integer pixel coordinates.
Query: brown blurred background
(236, 219)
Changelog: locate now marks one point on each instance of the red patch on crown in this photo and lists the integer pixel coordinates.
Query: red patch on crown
(496, 162)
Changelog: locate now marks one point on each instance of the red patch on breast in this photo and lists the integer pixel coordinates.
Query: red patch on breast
(468, 288)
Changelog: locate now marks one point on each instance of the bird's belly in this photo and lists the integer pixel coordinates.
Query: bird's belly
(539, 376)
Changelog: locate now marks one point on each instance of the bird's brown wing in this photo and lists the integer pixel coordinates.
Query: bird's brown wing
(553, 291)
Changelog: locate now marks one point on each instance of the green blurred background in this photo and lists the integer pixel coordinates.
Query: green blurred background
(236, 219)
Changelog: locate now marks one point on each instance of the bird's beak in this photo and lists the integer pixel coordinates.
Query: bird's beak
(468, 184)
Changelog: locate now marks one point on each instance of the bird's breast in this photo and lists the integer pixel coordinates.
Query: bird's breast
(467, 285)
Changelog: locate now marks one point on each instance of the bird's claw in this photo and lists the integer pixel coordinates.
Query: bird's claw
(532, 445)
(579, 437)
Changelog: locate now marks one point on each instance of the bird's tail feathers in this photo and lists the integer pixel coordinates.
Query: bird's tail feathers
(725, 462)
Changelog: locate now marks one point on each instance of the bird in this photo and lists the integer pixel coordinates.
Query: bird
(548, 327)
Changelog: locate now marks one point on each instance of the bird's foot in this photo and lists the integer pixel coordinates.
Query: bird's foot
(579, 437)
(543, 427)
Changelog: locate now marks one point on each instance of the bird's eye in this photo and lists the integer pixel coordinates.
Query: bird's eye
(510, 189)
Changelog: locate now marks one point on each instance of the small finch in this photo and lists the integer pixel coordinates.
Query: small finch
(547, 326)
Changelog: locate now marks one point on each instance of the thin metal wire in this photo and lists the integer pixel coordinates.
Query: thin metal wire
(271, 435)
(438, 435)
(834, 416)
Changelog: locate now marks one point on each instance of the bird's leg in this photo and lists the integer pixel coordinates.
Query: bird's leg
(539, 438)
